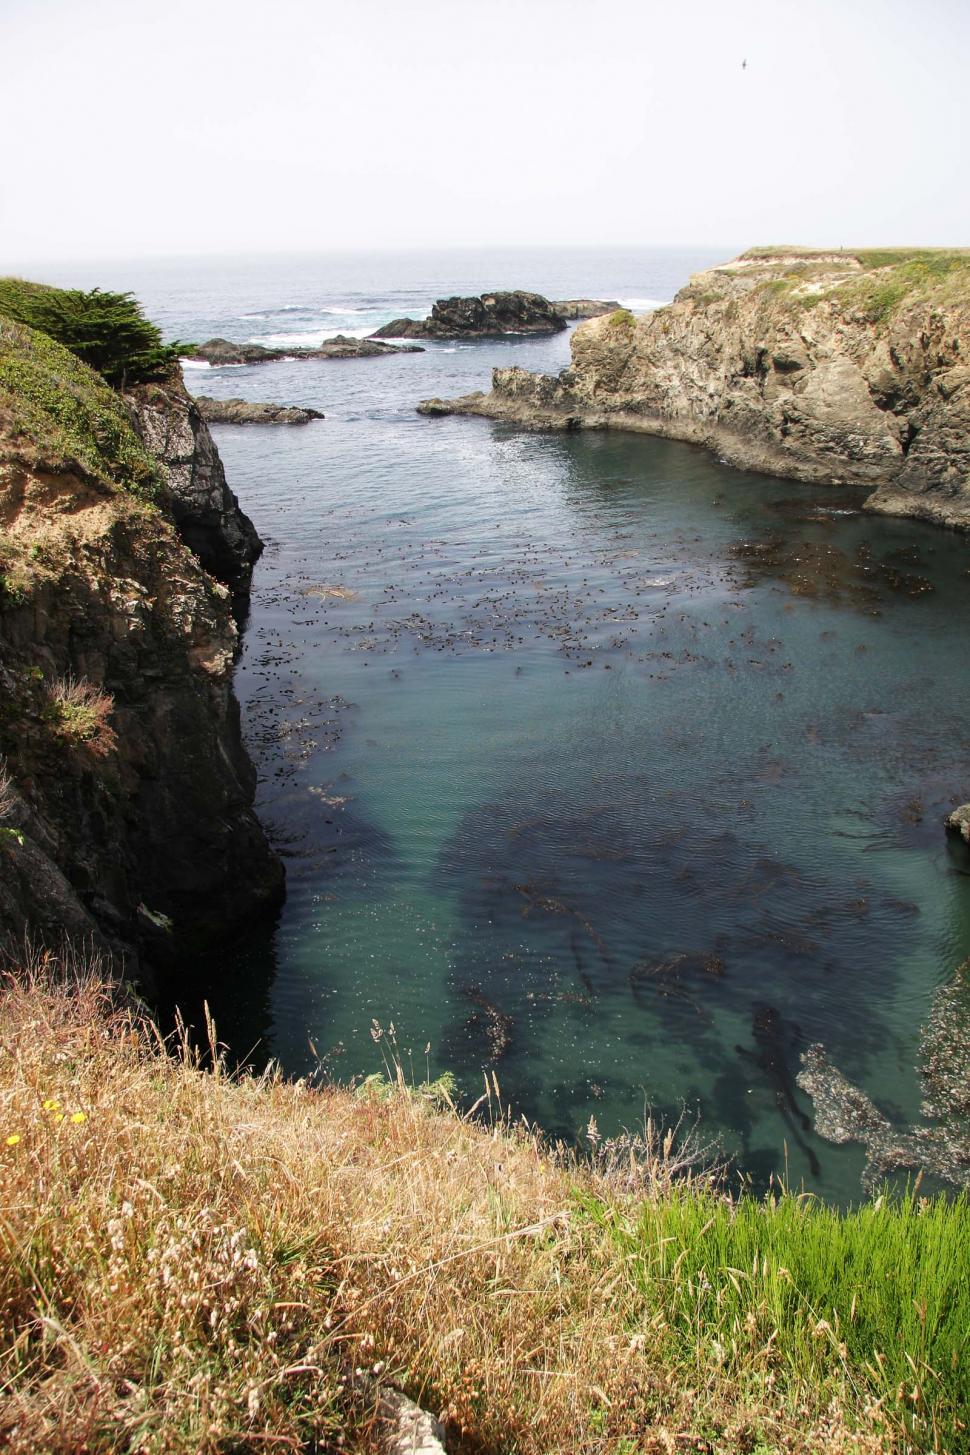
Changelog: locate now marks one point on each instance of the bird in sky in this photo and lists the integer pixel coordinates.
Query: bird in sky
(744, 65)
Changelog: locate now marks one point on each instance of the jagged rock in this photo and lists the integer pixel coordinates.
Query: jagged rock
(958, 822)
(835, 368)
(219, 351)
(244, 411)
(135, 810)
(488, 316)
(579, 308)
(207, 513)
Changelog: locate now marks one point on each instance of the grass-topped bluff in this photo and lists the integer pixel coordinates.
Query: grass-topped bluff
(836, 367)
(195, 1261)
(126, 819)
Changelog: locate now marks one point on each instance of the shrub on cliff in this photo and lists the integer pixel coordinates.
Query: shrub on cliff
(107, 330)
(61, 412)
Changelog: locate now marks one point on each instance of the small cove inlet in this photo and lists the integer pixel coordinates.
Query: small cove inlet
(593, 762)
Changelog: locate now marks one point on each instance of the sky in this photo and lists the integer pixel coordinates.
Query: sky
(203, 127)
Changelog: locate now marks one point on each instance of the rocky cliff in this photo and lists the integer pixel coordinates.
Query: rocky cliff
(840, 368)
(126, 796)
(206, 512)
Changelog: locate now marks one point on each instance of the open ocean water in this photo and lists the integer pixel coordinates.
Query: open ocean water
(590, 758)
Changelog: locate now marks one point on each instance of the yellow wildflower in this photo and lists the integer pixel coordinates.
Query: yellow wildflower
(59, 1116)
(51, 1105)
(79, 1116)
(13, 1139)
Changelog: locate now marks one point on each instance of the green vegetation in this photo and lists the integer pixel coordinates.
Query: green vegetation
(621, 318)
(106, 330)
(893, 281)
(72, 418)
(790, 1288)
(195, 1262)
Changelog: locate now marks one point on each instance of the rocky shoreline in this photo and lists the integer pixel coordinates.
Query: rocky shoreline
(830, 368)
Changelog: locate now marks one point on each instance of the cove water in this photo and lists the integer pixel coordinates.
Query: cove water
(584, 751)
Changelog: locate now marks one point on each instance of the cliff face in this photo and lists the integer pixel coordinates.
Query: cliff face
(843, 368)
(205, 510)
(128, 808)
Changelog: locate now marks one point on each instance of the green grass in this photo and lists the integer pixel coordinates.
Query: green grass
(621, 318)
(70, 414)
(790, 1290)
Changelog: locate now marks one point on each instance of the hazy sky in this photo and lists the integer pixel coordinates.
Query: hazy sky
(202, 126)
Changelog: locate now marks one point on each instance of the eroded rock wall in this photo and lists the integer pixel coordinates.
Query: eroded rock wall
(128, 815)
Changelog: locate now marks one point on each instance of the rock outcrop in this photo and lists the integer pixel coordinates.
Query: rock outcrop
(837, 368)
(572, 309)
(244, 411)
(958, 822)
(220, 351)
(128, 818)
(207, 513)
(489, 316)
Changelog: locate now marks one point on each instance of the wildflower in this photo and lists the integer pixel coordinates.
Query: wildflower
(79, 1116)
(51, 1105)
(13, 1139)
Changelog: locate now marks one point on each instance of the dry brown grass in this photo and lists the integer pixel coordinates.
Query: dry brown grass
(80, 713)
(191, 1262)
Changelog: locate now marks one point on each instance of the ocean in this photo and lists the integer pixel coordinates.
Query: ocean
(596, 765)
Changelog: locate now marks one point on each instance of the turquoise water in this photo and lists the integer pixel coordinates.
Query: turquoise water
(604, 749)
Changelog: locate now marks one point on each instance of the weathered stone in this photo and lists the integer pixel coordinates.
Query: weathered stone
(244, 411)
(828, 368)
(958, 822)
(206, 511)
(577, 308)
(405, 1428)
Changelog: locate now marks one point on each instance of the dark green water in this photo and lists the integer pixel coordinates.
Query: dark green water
(611, 749)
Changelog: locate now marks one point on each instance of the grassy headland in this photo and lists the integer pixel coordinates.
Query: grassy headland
(191, 1261)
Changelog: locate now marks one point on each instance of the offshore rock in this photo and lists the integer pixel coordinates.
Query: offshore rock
(131, 803)
(219, 351)
(207, 513)
(578, 308)
(488, 316)
(958, 822)
(243, 411)
(834, 368)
